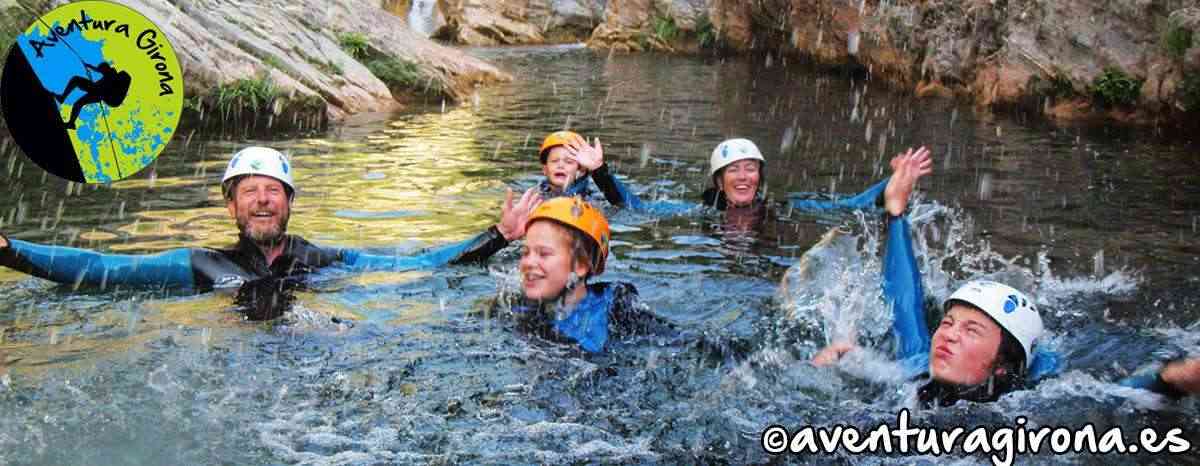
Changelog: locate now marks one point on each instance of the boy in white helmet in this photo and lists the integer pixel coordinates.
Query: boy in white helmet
(986, 342)
(259, 190)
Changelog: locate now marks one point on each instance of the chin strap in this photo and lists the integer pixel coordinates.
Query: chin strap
(937, 393)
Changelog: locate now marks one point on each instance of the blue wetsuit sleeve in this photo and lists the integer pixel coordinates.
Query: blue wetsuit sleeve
(862, 201)
(474, 250)
(902, 291)
(614, 190)
(79, 266)
(1152, 381)
(581, 187)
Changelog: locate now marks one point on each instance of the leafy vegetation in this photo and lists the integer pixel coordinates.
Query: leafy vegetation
(355, 44)
(1177, 39)
(1115, 88)
(401, 74)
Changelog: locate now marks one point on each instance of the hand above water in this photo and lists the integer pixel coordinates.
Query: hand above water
(832, 353)
(1184, 375)
(514, 216)
(907, 168)
(590, 157)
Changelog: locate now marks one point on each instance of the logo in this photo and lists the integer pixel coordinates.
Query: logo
(92, 91)
(1010, 304)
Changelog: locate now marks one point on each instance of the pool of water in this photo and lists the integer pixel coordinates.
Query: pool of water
(421, 366)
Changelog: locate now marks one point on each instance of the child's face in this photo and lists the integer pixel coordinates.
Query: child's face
(546, 260)
(964, 347)
(560, 168)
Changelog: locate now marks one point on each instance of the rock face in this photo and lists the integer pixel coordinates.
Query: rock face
(294, 44)
(500, 22)
(636, 25)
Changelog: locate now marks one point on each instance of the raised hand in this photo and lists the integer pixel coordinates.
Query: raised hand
(590, 157)
(514, 216)
(1184, 375)
(832, 353)
(907, 169)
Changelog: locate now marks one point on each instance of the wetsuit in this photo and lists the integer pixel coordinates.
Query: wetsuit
(902, 289)
(606, 312)
(614, 191)
(203, 269)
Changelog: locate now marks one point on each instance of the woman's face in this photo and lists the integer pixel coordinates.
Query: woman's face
(965, 347)
(546, 260)
(739, 182)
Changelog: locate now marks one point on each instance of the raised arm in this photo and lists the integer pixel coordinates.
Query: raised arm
(591, 157)
(82, 267)
(885, 192)
(1175, 379)
(902, 287)
(474, 250)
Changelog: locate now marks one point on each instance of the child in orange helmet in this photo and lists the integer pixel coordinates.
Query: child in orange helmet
(566, 243)
(568, 161)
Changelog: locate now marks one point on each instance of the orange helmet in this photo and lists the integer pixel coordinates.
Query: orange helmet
(577, 213)
(555, 139)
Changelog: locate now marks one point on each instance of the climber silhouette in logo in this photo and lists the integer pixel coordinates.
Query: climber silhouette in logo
(111, 89)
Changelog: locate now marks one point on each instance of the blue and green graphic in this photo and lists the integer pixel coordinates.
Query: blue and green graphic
(92, 91)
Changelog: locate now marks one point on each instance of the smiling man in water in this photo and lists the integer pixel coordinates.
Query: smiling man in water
(259, 192)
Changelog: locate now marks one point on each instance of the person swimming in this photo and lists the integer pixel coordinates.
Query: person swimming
(568, 161)
(566, 245)
(259, 192)
(986, 344)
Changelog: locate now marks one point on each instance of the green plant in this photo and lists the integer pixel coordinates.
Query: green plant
(273, 62)
(1115, 88)
(254, 94)
(665, 28)
(706, 34)
(1189, 93)
(1176, 39)
(401, 74)
(1058, 86)
(355, 44)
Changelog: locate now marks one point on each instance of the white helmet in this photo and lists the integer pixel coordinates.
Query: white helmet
(731, 151)
(256, 160)
(1010, 308)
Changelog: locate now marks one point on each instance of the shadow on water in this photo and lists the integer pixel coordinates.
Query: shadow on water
(417, 367)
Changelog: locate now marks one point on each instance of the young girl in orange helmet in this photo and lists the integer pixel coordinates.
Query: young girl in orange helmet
(566, 243)
(568, 161)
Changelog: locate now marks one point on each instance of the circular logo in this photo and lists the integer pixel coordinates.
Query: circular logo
(92, 91)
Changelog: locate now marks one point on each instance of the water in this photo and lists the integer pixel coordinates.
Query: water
(420, 17)
(1098, 224)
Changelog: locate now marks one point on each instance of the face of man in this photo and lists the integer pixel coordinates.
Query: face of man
(261, 208)
(965, 347)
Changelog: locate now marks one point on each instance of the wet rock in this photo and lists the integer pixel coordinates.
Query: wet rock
(294, 45)
(479, 22)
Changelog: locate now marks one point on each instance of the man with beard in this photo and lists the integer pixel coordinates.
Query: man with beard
(259, 192)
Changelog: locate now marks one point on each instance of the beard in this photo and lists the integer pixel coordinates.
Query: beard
(268, 236)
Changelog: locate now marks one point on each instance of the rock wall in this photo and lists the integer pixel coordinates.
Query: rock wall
(1060, 56)
(295, 45)
(501, 22)
(1130, 60)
